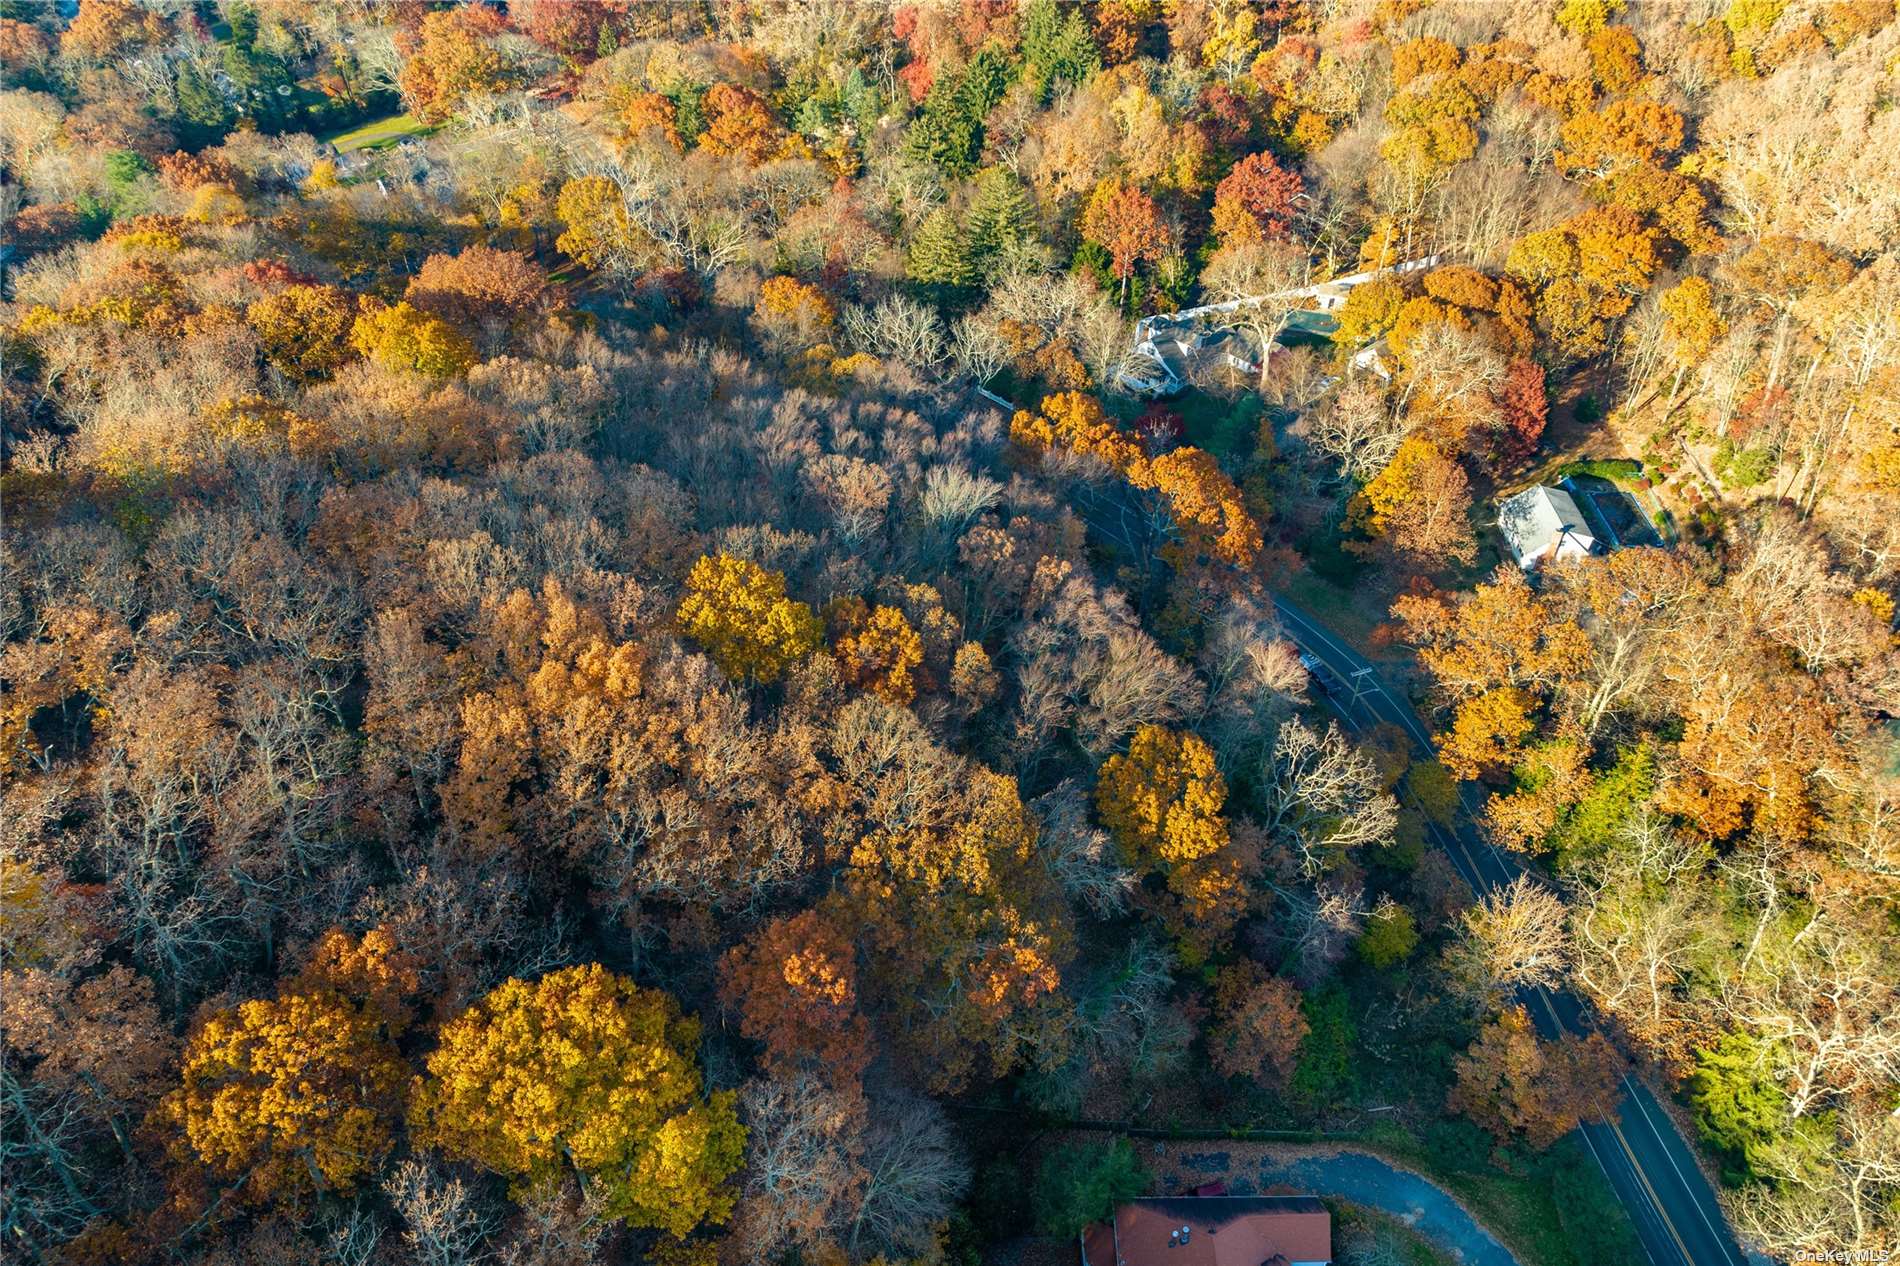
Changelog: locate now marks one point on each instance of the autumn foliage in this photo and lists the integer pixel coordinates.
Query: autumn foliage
(301, 1093)
(1163, 802)
(1126, 223)
(1514, 1083)
(1257, 198)
(585, 1069)
(477, 285)
(510, 565)
(305, 329)
(454, 57)
(405, 337)
(1258, 1026)
(739, 613)
(794, 984)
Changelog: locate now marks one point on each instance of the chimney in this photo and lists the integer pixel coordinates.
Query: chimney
(1184, 1235)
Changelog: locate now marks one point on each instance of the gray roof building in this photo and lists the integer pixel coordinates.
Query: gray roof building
(1541, 524)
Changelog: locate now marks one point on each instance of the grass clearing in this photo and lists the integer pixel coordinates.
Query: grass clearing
(1559, 1212)
(1339, 609)
(379, 133)
(1361, 1233)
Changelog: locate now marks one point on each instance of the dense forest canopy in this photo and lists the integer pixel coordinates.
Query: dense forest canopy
(547, 719)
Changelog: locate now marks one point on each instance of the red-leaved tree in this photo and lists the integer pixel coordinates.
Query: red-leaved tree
(1255, 200)
(1524, 409)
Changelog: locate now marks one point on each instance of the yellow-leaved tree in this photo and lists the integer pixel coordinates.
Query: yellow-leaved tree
(598, 232)
(299, 1094)
(1074, 421)
(878, 651)
(1163, 804)
(739, 613)
(1163, 800)
(305, 330)
(584, 1068)
(405, 337)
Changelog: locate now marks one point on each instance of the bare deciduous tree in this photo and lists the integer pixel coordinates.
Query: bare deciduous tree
(445, 1220)
(1514, 938)
(915, 1175)
(1080, 854)
(804, 1181)
(1324, 797)
(1355, 431)
(899, 328)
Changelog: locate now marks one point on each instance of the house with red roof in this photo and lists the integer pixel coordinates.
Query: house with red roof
(1213, 1231)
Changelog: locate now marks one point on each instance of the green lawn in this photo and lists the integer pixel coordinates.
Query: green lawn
(1351, 613)
(379, 133)
(1555, 1211)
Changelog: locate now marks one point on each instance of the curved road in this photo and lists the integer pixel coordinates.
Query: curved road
(1369, 1180)
(1649, 1165)
(1364, 1178)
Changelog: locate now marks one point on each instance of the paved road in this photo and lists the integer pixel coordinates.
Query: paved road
(1649, 1165)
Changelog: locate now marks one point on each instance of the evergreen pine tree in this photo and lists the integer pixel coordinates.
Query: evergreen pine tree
(940, 256)
(1057, 45)
(1002, 219)
(948, 131)
(943, 133)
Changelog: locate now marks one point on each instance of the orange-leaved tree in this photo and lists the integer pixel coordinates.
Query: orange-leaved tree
(1209, 517)
(1258, 1025)
(1256, 199)
(1126, 223)
(793, 315)
(794, 983)
(1512, 1082)
(964, 928)
(478, 285)
(1073, 421)
(538, 761)
(739, 122)
(585, 1071)
(453, 58)
(1497, 656)
(597, 231)
(878, 650)
(1418, 508)
(1587, 272)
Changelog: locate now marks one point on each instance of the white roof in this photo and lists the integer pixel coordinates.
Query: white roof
(1544, 522)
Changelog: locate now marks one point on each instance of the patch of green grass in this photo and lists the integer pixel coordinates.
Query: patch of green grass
(1334, 607)
(1556, 1209)
(379, 133)
(1221, 427)
(1622, 471)
(1363, 1234)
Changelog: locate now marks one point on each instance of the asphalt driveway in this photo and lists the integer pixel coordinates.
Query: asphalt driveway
(1363, 1178)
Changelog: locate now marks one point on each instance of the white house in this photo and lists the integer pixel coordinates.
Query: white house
(1168, 353)
(1540, 524)
(1171, 345)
